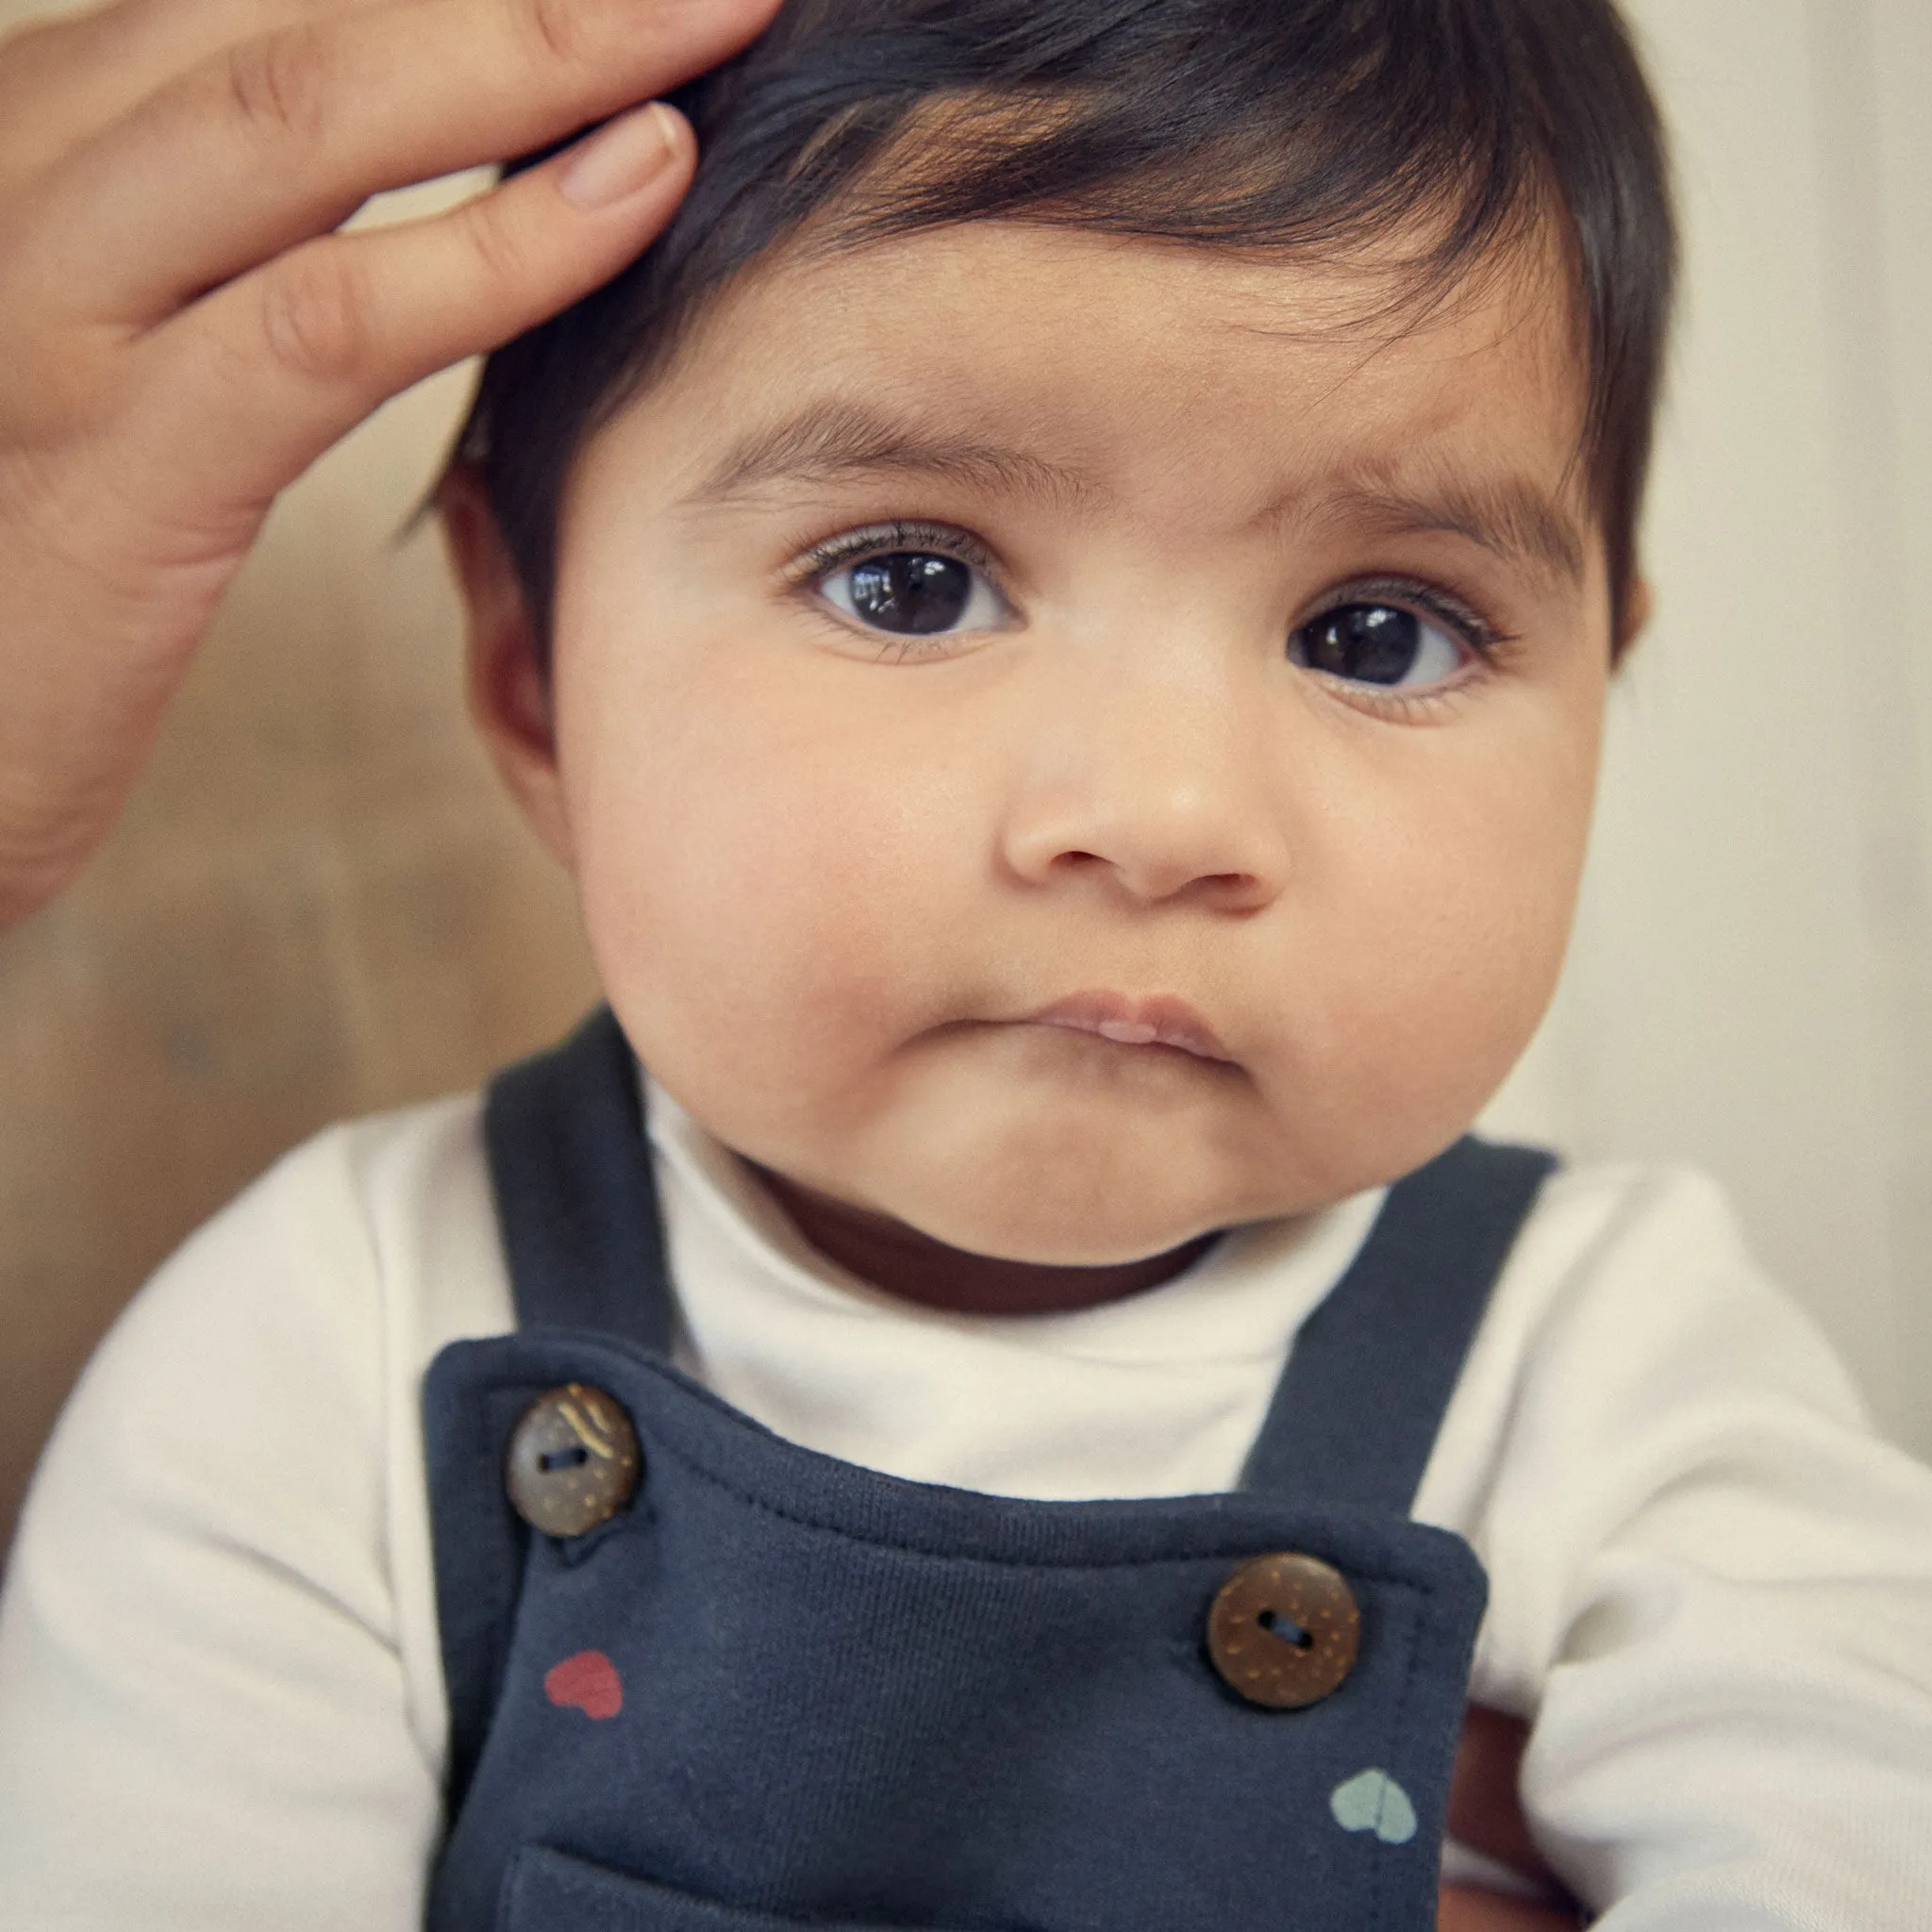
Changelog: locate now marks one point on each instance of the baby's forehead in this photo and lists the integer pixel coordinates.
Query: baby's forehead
(1052, 360)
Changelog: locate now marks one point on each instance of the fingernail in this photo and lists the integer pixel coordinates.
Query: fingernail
(621, 157)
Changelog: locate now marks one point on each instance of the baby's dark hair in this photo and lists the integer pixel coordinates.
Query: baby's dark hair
(1308, 127)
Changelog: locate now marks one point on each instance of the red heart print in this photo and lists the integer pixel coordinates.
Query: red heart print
(587, 1682)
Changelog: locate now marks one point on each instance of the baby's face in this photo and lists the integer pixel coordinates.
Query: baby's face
(1068, 743)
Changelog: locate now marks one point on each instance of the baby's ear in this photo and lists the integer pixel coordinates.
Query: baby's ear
(1633, 619)
(509, 691)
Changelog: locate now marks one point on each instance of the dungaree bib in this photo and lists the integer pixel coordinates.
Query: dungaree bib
(741, 1687)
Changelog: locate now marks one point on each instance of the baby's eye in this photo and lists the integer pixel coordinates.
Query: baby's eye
(914, 594)
(1380, 644)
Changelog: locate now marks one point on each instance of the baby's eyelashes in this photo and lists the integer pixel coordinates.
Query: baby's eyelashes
(1379, 645)
(1396, 635)
(908, 581)
(915, 593)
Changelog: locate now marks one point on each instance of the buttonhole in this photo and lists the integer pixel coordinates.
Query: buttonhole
(1285, 1627)
(573, 1458)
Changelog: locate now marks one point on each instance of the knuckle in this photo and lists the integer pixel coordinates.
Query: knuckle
(315, 315)
(497, 245)
(278, 84)
(564, 31)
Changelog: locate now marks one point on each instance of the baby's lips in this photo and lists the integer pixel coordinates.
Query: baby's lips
(1135, 1020)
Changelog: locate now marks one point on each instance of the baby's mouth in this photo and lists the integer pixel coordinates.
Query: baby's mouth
(1128, 1020)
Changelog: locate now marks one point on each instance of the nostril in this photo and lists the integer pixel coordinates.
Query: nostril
(573, 1458)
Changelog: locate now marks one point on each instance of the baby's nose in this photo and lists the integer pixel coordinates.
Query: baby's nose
(1161, 794)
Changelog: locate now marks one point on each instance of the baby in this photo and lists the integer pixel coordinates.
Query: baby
(1060, 621)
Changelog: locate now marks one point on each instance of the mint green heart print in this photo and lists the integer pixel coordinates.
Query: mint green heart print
(1373, 1801)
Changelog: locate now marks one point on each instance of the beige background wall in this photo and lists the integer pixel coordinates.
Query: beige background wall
(1751, 984)
(319, 905)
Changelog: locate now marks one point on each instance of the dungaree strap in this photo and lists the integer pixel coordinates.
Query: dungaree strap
(1370, 1371)
(574, 1192)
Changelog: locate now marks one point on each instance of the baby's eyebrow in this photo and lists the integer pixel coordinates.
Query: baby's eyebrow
(839, 438)
(1508, 516)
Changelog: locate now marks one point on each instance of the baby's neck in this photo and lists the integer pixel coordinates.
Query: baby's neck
(904, 1262)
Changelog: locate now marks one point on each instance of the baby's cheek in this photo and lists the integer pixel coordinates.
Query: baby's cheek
(1482, 987)
(748, 923)
(1423, 965)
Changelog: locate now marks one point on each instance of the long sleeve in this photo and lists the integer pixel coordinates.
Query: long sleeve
(1711, 1585)
(205, 1724)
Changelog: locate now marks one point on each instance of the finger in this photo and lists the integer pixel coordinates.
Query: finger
(272, 370)
(281, 138)
(65, 77)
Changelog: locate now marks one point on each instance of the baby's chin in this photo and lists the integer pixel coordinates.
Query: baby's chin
(1090, 1203)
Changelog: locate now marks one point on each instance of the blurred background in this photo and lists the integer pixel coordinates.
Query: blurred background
(318, 903)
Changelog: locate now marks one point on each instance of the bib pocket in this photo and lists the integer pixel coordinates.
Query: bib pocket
(545, 1891)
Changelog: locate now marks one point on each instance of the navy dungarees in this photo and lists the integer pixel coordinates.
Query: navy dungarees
(771, 1689)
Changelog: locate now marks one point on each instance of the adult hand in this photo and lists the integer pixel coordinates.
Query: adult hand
(182, 332)
(1486, 1814)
